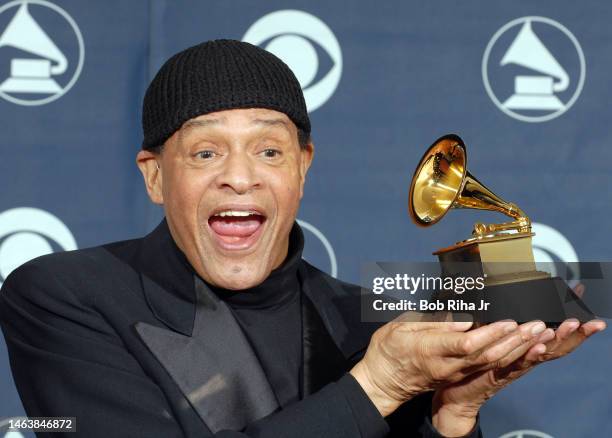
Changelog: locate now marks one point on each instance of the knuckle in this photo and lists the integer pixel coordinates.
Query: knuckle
(376, 337)
(379, 334)
(525, 337)
(497, 364)
(439, 373)
(382, 332)
(466, 345)
(490, 357)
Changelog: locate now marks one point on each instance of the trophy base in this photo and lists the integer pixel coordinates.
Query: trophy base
(546, 299)
(496, 255)
(513, 287)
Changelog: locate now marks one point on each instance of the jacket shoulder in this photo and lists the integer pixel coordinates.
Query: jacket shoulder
(341, 301)
(65, 271)
(340, 287)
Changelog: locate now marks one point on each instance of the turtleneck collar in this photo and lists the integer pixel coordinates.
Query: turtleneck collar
(278, 288)
(174, 273)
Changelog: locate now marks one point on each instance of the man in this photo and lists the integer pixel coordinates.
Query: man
(213, 324)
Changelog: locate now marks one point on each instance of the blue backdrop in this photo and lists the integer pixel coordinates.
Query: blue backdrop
(526, 84)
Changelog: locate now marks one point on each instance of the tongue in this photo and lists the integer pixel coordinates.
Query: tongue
(235, 226)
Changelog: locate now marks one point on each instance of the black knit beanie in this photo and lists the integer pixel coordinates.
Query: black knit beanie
(218, 75)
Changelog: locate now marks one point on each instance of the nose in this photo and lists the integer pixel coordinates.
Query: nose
(238, 173)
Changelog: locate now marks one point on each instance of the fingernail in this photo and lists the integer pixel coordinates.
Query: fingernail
(547, 335)
(538, 328)
(509, 327)
(462, 325)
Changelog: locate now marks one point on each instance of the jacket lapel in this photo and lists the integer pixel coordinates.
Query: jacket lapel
(205, 352)
(322, 360)
(215, 367)
(329, 309)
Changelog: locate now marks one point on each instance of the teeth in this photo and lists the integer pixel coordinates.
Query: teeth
(234, 213)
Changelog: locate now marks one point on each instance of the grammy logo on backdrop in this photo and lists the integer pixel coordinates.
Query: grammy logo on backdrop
(32, 75)
(534, 92)
(533, 69)
(501, 253)
(41, 52)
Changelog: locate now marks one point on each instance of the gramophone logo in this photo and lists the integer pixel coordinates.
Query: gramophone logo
(533, 69)
(26, 233)
(41, 52)
(306, 44)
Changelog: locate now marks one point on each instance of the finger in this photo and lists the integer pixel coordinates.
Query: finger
(570, 338)
(566, 328)
(521, 365)
(417, 321)
(537, 348)
(546, 336)
(592, 327)
(533, 355)
(560, 347)
(513, 346)
(527, 347)
(466, 344)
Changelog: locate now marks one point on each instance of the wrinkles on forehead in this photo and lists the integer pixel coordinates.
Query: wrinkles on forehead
(220, 123)
(194, 124)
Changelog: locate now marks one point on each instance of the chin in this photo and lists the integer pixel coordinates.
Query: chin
(233, 282)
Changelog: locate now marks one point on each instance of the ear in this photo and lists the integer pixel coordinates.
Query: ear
(307, 154)
(148, 163)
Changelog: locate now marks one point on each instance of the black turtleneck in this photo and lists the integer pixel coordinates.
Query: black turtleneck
(269, 313)
(270, 316)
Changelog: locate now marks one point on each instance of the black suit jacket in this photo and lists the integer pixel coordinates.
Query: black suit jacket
(98, 334)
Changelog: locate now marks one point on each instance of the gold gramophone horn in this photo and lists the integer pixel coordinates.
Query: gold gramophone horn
(441, 182)
(500, 254)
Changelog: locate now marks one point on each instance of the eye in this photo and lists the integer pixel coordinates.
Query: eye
(205, 155)
(271, 153)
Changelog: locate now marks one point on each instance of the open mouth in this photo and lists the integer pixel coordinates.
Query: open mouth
(236, 229)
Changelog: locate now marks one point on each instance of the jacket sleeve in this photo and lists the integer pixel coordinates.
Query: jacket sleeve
(415, 415)
(67, 361)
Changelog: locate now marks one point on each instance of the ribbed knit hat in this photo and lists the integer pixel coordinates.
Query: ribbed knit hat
(214, 76)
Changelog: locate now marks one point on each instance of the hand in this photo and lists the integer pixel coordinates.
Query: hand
(406, 358)
(457, 405)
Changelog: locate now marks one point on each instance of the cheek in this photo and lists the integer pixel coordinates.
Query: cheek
(184, 193)
(287, 189)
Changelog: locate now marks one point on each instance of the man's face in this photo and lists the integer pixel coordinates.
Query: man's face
(231, 184)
